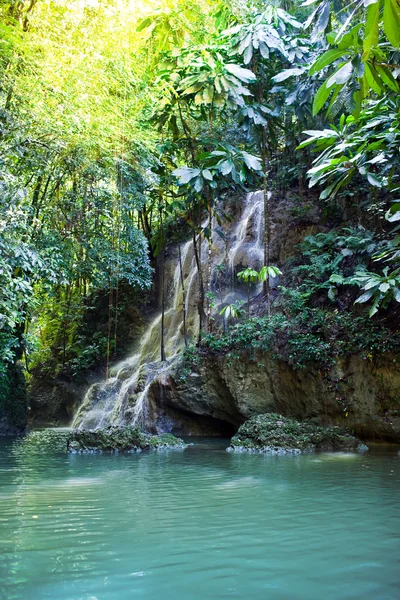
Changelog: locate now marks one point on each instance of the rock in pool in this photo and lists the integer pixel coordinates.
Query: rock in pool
(274, 434)
(120, 439)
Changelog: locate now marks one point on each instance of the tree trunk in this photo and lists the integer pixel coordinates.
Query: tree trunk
(209, 303)
(183, 295)
(200, 300)
(267, 222)
(163, 358)
(110, 312)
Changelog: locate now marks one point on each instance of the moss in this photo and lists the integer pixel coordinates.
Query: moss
(277, 434)
(165, 440)
(120, 439)
(44, 441)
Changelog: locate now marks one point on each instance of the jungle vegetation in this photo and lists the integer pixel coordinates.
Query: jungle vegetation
(123, 122)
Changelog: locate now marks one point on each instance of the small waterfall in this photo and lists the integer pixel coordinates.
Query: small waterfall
(122, 399)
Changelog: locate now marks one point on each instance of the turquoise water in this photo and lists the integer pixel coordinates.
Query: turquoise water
(199, 524)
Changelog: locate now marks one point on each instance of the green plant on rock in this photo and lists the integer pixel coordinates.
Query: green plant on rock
(248, 276)
(381, 289)
(232, 311)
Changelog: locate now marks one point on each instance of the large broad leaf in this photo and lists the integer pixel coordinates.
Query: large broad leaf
(384, 287)
(240, 73)
(322, 21)
(144, 23)
(226, 167)
(341, 76)
(252, 162)
(207, 174)
(264, 50)
(391, 22)
(320, 98)
(326, 59)
(326, 134)
(393, 214)
(387, 78)
(286, 73)
(245, 42)
(185, 174)
(327, 192)
(371, 28)
(373, 80)
(375, 180)
(365, 297)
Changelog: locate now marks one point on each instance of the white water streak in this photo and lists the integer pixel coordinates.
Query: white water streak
(122, 399)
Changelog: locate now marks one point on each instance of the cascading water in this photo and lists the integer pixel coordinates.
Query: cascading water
(122, 398)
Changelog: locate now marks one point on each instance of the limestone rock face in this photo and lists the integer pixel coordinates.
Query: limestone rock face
(53, 402)
(360, 394)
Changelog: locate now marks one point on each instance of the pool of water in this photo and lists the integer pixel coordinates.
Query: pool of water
(199, 524)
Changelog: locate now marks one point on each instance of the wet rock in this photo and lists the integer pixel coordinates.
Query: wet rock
(8, 429)
(44, 441)
(120, 439)
(357, 393)
(274, 434)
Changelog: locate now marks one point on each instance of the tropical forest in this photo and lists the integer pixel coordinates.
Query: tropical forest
(199, 299)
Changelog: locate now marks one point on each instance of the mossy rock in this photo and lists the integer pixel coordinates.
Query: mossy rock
(120, 439)
(43, 441)
(275, 434)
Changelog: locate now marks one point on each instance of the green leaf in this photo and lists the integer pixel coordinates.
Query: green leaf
(252, 162)
(286, 73)
(240, 73)
(332, 293)
(387, 78)
(341, 76)
(144, 23)
(326, 59)
(320, 98)
(392, 218)
(193, 89)
(336, 278)
(326, 192)
(374, 307)
(371, 28)
(198, 184)
(207, 174)
(365, 297)
(391, 22)
(185, 174)
(226, 167)
(374, 180)
(372, 79)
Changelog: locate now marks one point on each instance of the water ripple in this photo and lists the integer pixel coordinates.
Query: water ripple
(199, 524)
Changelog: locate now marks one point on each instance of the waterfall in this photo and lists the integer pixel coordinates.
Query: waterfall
(122, 399)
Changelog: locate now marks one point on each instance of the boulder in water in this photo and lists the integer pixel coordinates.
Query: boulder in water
(274, 434)
(120, 439)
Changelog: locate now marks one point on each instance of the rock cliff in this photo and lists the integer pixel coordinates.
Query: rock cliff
(219, 394)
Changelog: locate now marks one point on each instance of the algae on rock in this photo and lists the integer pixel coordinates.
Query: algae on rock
(275, 434)
(120, 439)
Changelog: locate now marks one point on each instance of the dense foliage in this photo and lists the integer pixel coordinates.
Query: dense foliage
(121, 127)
